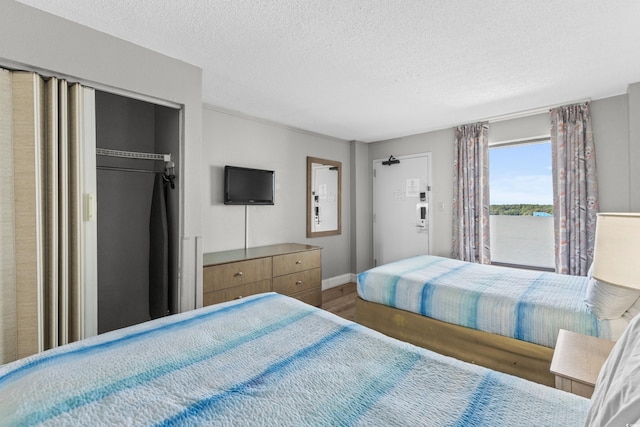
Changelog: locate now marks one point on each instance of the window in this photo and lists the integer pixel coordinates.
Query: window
(521, 199)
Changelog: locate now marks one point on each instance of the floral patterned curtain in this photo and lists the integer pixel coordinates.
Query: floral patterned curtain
(471, 194)
(575, 190)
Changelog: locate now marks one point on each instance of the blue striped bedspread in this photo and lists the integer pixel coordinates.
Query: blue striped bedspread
(267, 360)
(524, 304)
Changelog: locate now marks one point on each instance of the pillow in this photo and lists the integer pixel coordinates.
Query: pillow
(608, 301)
(616, 397)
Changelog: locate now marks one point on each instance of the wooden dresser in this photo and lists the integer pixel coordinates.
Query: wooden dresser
(290, 268)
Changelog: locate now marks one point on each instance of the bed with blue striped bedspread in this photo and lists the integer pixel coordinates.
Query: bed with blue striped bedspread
(266, 360)
(524, 304)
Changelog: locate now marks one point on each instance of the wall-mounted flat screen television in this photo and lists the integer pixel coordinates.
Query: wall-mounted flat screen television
(245, 186)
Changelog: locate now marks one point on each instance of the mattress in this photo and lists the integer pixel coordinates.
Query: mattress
(524, 304)
(266, 360)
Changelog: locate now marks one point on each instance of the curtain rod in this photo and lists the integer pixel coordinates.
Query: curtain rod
(113, 168)
(168, 176)
(531, 112)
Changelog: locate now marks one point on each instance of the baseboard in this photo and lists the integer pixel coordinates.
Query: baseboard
(332, 282)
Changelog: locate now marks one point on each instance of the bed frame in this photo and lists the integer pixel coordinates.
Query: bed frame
(509, 355)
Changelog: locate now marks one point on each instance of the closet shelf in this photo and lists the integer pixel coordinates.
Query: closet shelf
(133, 154)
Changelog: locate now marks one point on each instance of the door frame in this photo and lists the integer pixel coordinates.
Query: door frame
(429, 199)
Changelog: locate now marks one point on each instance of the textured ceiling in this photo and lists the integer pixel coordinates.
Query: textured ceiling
(372, 70)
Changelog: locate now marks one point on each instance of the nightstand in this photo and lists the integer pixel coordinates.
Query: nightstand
(577, 360)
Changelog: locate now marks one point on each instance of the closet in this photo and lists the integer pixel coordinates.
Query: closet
(133, 237)
(88, 240)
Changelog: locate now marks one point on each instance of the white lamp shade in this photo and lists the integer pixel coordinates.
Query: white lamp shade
(616, 257)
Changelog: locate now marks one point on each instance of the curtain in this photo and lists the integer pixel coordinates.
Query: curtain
(471, 194)
(575, 189)
(44, 297)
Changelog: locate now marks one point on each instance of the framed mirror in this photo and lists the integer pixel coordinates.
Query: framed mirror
(324, 197)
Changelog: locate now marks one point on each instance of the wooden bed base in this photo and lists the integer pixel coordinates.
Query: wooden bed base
(509, 355)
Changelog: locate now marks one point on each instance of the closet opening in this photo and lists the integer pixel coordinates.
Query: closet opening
(137, 211)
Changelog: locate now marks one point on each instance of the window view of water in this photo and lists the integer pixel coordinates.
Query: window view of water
(523, 240)
(521, 193)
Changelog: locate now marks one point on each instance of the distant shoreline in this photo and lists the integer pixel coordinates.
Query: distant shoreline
(520, 209)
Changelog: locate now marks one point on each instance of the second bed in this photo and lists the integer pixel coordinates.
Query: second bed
(503, 318)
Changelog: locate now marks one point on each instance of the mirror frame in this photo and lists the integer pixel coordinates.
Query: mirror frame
(310, 162)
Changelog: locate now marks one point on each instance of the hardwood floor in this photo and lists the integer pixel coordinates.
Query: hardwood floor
(341, 300)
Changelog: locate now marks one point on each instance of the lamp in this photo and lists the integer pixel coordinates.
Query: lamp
(617, 249)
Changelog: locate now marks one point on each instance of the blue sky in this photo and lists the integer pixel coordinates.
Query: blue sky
(521, 174)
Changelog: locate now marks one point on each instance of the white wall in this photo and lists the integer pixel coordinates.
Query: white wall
(361, 200)
(633, 153)
(230, 139)
(528, 127)
(35, 40)
(611, 139)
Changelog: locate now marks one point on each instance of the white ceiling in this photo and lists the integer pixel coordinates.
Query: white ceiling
(371, 70)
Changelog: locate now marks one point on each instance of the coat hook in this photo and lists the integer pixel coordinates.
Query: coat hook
(392, 161)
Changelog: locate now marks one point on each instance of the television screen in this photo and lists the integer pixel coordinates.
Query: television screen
(245, 186)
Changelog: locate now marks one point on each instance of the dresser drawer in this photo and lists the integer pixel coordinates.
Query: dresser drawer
(217, 277)
(296, 282)
(295, 262)
(310, 296)
(236, 292)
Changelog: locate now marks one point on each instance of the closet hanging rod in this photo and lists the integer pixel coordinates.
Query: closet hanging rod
(113, 168)
(132, 154)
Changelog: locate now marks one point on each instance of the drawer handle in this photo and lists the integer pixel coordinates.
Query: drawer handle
(239, 274)
(298, 262)
(299, 282)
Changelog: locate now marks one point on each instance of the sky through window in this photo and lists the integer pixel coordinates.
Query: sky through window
(521, 174)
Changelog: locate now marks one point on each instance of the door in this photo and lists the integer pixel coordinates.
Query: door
(401, 207)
